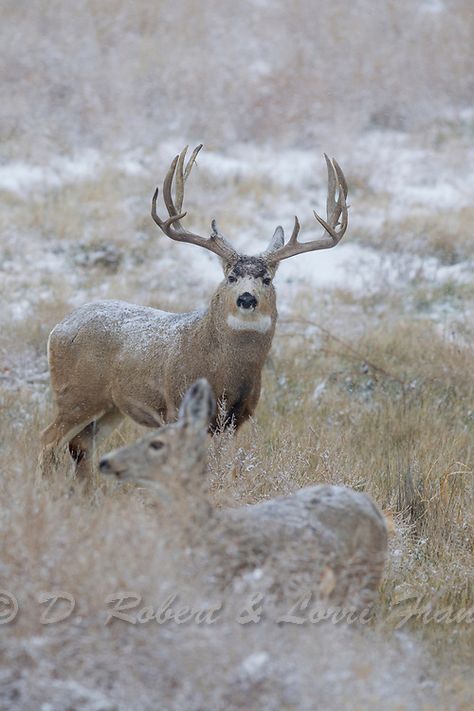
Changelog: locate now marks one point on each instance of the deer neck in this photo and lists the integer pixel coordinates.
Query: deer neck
(192, 490)
(200, 509)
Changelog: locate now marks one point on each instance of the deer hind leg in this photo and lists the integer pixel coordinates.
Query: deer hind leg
(62, 430)
(82, 447)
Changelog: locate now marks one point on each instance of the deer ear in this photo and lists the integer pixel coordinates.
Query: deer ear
(277, 241)
(198, 406)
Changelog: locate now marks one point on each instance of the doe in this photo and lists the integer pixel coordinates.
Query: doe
(330, 541)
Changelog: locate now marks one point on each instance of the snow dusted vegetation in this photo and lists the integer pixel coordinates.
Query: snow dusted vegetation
(370, 381)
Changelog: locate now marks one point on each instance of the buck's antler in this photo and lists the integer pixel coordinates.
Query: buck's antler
(172, 225)
(335, 210)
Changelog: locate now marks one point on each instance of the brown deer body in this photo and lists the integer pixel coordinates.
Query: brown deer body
(111, 359)
(329, 541)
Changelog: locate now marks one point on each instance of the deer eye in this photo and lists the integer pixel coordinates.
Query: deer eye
(156, 444)
(231, 278)
(267, 281)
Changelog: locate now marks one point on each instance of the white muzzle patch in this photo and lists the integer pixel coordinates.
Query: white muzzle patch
(249, 322)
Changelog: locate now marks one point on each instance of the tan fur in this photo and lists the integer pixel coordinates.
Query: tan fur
(326, 540)
(111, 359)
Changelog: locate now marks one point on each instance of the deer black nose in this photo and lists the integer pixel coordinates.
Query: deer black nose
(246, 301)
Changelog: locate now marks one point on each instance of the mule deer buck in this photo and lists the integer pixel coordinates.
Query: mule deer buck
(330, 540)
(111, 359)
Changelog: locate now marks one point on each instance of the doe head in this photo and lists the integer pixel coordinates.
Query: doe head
(175, 454)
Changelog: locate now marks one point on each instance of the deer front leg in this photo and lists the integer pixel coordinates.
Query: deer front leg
(244, 406)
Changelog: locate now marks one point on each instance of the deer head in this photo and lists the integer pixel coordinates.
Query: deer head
(175, 454)
(247, 294)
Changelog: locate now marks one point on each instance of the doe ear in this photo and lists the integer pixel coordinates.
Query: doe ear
(277, 241)
(198, 406)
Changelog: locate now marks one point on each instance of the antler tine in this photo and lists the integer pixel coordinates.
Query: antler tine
(341, 177)
(214, 229)
(336, 180)
(191, 161)
(172, 227)
(334, 213)
(343, 190)
(167, 185)
(181, 174)
(331, 205)
(294, 234)
(335, 208)
(179, 192)
(163, 224)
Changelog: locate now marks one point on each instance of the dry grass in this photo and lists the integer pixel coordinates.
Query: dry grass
(372, 388)
(445, 235)
(393, 418)
(390, 415)
(363, 389)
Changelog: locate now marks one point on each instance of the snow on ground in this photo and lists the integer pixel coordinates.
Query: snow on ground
(22, 177)
(253, 189)
(258, 187)
(414, 178)
(416, 175)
